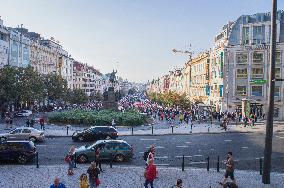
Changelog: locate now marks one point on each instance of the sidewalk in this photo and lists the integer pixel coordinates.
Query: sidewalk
(128, 177)
(161, 128)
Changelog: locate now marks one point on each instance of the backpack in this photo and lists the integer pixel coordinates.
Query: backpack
(145, 156)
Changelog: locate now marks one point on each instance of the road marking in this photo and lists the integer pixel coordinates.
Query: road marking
(188, 142)
(186, 156)
(162, 164)
(212, 149)
(197, 163)
(164, 157)
(197, 155)
(199, 150)
(148, 139)
(141, 152)
(182, 146)
(280, 137)
(228, 140)
(244, 147)
(40, 145)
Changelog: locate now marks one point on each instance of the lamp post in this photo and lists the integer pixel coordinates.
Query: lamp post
(269, 121)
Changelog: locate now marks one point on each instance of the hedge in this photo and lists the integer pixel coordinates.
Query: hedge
(95, 118)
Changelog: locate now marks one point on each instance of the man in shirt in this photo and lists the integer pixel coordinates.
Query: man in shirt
(229, 168)
(57, 184)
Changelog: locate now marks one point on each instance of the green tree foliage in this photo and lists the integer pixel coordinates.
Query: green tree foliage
(171, 99)
(25, 86)
(55, 86)
(77, 96)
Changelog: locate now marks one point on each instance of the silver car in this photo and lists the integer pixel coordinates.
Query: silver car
(23, 133)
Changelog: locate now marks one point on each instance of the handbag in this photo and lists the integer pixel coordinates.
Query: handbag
(98, 182)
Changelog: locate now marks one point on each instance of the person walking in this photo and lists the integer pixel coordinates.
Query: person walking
(41, 122)
(84, 181)
(150, 174)
(93, 172)
(57, 184)
(151, 154)
(70, 159)
(178, 185)
(229, 168)
(98, 158)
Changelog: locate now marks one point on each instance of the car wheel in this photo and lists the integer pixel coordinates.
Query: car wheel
(3, 139)
(82, 159)
(22, 159)
(119, 158)
(33, 139)
(108, 137)
(81, 138)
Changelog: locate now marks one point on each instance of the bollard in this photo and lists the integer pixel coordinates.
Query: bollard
(37, 163)
(111, 160)
(74, 159)
(67, 129)
(172, 129)
(207, 163)
(208, 129)
(218, 164)
(260, 166)
(152, 129)
(182, 164)
(191, 128)
(132, 129)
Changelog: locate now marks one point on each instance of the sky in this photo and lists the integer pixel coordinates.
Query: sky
(135, 37)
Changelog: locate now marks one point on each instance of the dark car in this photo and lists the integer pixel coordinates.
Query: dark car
(20, 151)
(95, 133)
(118, 150)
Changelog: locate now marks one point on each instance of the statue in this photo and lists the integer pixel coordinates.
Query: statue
(112, 77)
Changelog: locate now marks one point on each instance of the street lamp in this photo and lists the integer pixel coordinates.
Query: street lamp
(269, 121)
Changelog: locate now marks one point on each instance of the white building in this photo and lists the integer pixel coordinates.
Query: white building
(19, 55)
(4, 44)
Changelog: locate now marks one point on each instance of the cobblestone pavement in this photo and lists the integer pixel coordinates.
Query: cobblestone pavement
(127, 177)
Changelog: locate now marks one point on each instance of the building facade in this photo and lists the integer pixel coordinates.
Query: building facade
(4, 44)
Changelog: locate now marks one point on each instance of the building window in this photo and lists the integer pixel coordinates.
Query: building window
(258, 34)
(256, 91)
(278, 57)
(241, 58)
(257, 57)
(242, 73)
(277, 91)
(241, 90)
(257, 73)
(276, 112)
(277, 73)
(245, 35)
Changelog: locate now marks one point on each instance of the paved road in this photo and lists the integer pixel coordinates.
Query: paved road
(247, 148)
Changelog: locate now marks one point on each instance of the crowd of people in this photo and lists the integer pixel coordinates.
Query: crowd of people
(196, 113)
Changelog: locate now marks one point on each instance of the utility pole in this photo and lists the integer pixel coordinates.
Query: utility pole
(269, 121)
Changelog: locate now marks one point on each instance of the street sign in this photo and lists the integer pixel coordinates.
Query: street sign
(258, 81)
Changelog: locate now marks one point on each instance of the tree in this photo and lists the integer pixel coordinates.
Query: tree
(8, 86)
(30, 86)
(55, 86)
(77, 96)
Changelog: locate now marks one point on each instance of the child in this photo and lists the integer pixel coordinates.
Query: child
(84, 181)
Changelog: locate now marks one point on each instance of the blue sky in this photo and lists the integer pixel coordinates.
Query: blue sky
(138, 34)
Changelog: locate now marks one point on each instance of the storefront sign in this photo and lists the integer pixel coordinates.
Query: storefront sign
(258, 81)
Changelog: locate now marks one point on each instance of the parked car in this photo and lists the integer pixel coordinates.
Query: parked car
(20, 151)
(118, 150)
(24, 133)
(24, 113)
(95, 133)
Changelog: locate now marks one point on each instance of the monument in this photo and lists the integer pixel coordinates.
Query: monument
(111, 97)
